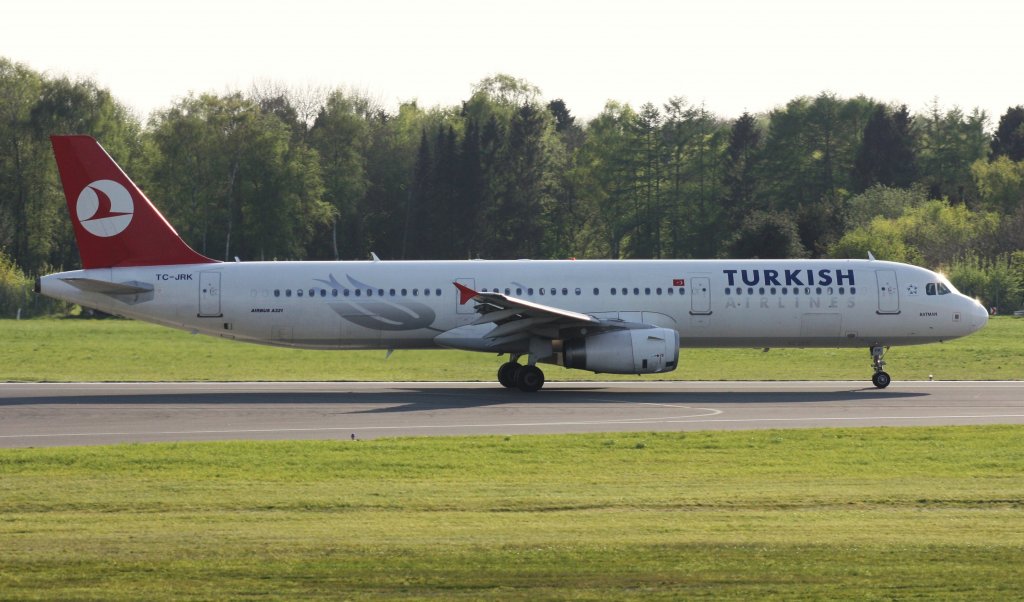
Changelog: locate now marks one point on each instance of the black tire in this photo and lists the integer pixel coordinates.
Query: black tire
(507, 374)
(529, 378)
(881, 379)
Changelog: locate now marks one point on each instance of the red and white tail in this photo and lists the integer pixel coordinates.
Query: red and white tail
(115, 224)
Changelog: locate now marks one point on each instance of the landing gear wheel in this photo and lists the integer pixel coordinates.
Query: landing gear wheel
(507, 374)
(881, 379)
(529, 378)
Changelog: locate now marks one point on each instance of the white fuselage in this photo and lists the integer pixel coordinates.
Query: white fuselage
(400, 304)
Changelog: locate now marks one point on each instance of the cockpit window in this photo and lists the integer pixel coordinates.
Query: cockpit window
(933, 288)
(929, 288)
(943, 289)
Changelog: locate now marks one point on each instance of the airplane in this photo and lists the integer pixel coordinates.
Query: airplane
(603, 316)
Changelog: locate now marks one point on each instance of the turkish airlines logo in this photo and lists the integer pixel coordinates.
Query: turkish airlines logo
(104, 208)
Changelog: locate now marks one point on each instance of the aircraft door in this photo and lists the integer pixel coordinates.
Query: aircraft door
(888, 292)
(700, 296)
(469, 307)
(209, 295)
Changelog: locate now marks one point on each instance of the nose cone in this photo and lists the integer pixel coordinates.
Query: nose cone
(977, 316)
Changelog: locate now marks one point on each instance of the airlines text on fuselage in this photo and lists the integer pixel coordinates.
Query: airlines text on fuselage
(801, 277)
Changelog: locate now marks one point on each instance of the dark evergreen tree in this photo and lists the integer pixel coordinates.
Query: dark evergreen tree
(415, 237)
(470, 193)
(1009, 137)
(563, 118)
(739, 176)
(886, 153)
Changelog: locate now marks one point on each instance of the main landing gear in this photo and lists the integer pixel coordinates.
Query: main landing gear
(526, 378)
(881, 378)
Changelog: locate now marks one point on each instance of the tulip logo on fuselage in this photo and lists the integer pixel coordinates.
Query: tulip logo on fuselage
(104, 208)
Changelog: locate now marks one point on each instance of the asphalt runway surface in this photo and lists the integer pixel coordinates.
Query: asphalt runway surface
(53, 414)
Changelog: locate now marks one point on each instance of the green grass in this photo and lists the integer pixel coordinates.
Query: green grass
(881, 513)
(121, 350)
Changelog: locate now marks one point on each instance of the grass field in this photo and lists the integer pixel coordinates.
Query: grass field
(122, 350)
(867, 514)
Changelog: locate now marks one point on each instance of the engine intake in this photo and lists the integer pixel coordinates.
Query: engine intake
(639, 351)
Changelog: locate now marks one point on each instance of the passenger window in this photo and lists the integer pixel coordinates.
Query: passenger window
(405, 292)
(437, 292)
(541, 291)
(519, 291)
(298, 292)
(597, 291)
(614, 291)
(508, 291)
(359, 292)
(647, 291)
(682, 291)
(636, 291)
(347, 292)
(277, 292)
(658, 290)
(288, 292)
(391, 292)
(415, 292)
(565, 291)
(672, 291)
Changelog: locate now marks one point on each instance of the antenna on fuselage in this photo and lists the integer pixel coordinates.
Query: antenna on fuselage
(870, 256)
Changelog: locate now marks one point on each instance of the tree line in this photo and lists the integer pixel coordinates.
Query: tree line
(274, 173)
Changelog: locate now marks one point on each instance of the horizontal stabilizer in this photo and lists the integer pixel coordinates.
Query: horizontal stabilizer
(109, 288)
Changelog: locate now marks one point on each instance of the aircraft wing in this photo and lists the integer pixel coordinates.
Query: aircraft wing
(512, 316)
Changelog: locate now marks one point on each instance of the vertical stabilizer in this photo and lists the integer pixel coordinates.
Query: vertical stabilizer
(115, 224)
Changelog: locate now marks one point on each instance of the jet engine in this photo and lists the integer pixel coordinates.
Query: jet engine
(638, 351)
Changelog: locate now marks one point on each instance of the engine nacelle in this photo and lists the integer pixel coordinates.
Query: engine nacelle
(639, 351)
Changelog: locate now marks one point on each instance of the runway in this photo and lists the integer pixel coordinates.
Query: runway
(57, 414)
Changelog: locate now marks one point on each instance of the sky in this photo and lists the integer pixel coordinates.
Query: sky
(729, 55)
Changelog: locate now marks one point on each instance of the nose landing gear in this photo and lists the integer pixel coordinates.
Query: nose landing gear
(881, 378)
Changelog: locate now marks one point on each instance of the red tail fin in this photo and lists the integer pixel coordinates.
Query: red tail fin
(115, 224)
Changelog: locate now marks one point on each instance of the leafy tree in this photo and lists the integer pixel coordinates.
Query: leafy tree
(767, 235)
(809, 154)
(882, 201)
(340, 135)
(949, 143)
(1000, 183)
(995, 282)
(932, 233)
